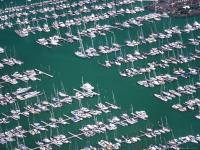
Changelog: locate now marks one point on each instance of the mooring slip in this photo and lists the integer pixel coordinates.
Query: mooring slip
(42, 72)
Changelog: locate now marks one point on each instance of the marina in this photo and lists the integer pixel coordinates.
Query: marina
(99, 74)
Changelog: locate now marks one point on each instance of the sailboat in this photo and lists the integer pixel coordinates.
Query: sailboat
(107, 63)
(91, 51)
(198, 115)
(81, 52)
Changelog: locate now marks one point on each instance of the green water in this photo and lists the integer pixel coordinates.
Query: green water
(68, 69)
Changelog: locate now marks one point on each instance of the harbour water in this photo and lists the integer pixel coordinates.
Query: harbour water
(68, 71)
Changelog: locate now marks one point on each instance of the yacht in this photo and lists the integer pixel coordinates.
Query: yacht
(1, 50)
(42, 41)
(22, 32)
